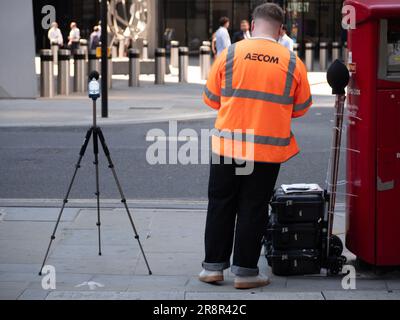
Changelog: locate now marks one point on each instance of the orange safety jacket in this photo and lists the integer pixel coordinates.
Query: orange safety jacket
(257, 86)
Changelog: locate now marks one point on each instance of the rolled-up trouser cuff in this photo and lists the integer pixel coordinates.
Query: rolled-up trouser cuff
(219, 266)
(244, 272)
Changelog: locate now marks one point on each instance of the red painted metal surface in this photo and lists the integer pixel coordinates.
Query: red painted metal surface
(388, 170)
(361, 140)
(375, 9)
(373, 139)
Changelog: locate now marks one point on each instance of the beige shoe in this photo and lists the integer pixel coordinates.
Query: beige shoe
(251, 282)
(211, 276)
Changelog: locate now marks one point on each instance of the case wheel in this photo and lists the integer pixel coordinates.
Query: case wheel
(336, 265)
(267, 248)
(335, 246)
(334, 270)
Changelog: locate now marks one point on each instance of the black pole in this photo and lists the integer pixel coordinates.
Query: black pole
(104, 60)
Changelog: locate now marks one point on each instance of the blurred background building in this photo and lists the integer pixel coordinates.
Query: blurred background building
(189, 21)
(17, 50)
(193, 21)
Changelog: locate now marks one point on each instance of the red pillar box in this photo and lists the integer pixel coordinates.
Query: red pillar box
(373, 136)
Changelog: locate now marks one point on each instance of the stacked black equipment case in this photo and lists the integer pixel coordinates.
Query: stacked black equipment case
(299, 237)
(295, 240)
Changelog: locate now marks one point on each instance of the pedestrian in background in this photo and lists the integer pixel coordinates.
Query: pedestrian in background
(94, 40)
(223, 40)
(74, 37)
(55, 35)
(244, 32)
(214, 44)
(285, 40)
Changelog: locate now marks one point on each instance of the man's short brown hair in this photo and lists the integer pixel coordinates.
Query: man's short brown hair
(269, 12)
(223, 21)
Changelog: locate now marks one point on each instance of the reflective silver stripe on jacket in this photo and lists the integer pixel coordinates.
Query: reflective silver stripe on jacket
(211, 96)
(229, 91)
(245, 137)
(302, 106)
(289, 74)
(258, 95)
(229, 67)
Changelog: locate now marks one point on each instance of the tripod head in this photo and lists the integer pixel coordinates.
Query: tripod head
(94, 85)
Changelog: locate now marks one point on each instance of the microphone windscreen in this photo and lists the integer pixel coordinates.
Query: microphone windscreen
(94, 75)
(338, 77)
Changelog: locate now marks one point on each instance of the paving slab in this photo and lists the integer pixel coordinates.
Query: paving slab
(331, 283)
(109, 236)
(185, 233)
(170, 263)
(112, 282)
(93, 295)
(253, 295)
(33, 294)
(361, 295)
(19, 267)
(81, 252)
(38, 214)
(154, 282)
(35, 230)
(393, 284)
(17, 251)
(114, 218)
(64, 281)
(18, 277)
(173, 243)
(11, 290)
(95, 265)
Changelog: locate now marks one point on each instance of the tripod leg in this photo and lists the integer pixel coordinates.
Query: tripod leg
(96, 164)
(65, 201)
(123, 199)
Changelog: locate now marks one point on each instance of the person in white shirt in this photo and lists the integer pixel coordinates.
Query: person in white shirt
(74, 37)
(55, 35)
(223, 40)
(285, 40)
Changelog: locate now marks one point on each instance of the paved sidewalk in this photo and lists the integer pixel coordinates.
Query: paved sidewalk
(149, 103)
(172, 236)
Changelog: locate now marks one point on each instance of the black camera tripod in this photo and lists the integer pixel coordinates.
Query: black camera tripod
(97, 134)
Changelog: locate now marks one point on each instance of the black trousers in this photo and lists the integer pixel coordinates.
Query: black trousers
(237, 215)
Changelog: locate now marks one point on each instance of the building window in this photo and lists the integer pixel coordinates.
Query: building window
(192, 21)
(198, 23)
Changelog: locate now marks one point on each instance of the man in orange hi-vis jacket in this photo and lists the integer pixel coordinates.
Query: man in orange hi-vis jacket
(257, 86)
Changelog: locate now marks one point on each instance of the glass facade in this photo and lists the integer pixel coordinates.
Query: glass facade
(184, 21)
(85, 13)
(191, 21)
